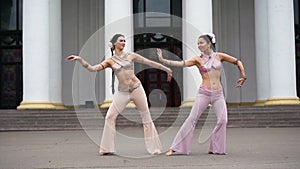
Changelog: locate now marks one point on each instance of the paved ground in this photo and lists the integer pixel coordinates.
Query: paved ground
(248, 148)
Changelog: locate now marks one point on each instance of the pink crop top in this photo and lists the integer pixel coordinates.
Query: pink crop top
(211, 62)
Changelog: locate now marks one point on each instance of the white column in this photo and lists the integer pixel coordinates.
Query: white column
(262, 50)
(36, 64)
(55, 54)
(118, 19)
(197, 19)
(282, 53)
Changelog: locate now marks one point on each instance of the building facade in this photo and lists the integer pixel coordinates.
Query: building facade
(261, 33)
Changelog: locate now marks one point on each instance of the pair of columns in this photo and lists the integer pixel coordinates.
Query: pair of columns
(192, 27)
(42, 81)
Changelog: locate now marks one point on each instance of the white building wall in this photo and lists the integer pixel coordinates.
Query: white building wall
(234, 29)
(69, 46)
(82, 23)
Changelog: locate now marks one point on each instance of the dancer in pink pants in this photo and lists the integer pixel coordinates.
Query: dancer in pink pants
(129, 89)
(209, 64)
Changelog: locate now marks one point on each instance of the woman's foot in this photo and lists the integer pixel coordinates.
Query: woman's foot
(105, 153)
(217, 153)
(156, 153)
(170, 152)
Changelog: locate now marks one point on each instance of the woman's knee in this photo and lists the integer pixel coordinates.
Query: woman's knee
(222, 121)
(111, 115)
(146, 117)
(110, 118)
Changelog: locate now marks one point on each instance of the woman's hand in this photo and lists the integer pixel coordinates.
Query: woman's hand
(73, 57)
(169, 71)
(159, 54)
(169, 77)
(240, 82)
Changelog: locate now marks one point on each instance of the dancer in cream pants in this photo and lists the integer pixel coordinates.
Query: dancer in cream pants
(121, 99)
(129, 89)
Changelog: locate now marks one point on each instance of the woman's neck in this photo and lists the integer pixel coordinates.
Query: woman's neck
(118, 52)
(207, 52)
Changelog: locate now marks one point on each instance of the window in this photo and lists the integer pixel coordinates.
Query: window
(157, 13)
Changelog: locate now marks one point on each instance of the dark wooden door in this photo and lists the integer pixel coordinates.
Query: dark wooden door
(158, 90)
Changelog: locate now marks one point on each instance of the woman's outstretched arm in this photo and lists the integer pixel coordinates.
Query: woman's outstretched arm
(140, 59)
(94, 68)
(189, 62)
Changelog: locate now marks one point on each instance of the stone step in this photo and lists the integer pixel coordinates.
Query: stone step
(238, 116)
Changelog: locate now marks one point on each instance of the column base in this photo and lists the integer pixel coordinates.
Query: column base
(36, 105)
(260, 102)
(240, 104)
(60, 106)
(187, 103)
(131, 105)
(282, 101)
(106, 104)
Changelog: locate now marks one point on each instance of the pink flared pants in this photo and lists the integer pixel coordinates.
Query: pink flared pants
(205, 96)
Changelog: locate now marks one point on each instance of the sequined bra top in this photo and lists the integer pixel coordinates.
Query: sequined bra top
(124, 70)
(122, 62)
(210, 62)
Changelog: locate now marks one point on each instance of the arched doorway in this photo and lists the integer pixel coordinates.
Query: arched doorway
(161, 29)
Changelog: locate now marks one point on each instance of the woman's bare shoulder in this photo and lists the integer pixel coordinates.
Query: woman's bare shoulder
(109, 61)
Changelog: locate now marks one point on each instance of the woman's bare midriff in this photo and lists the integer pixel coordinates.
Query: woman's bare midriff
(211, 80)
(133, 81)
(128, 83)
